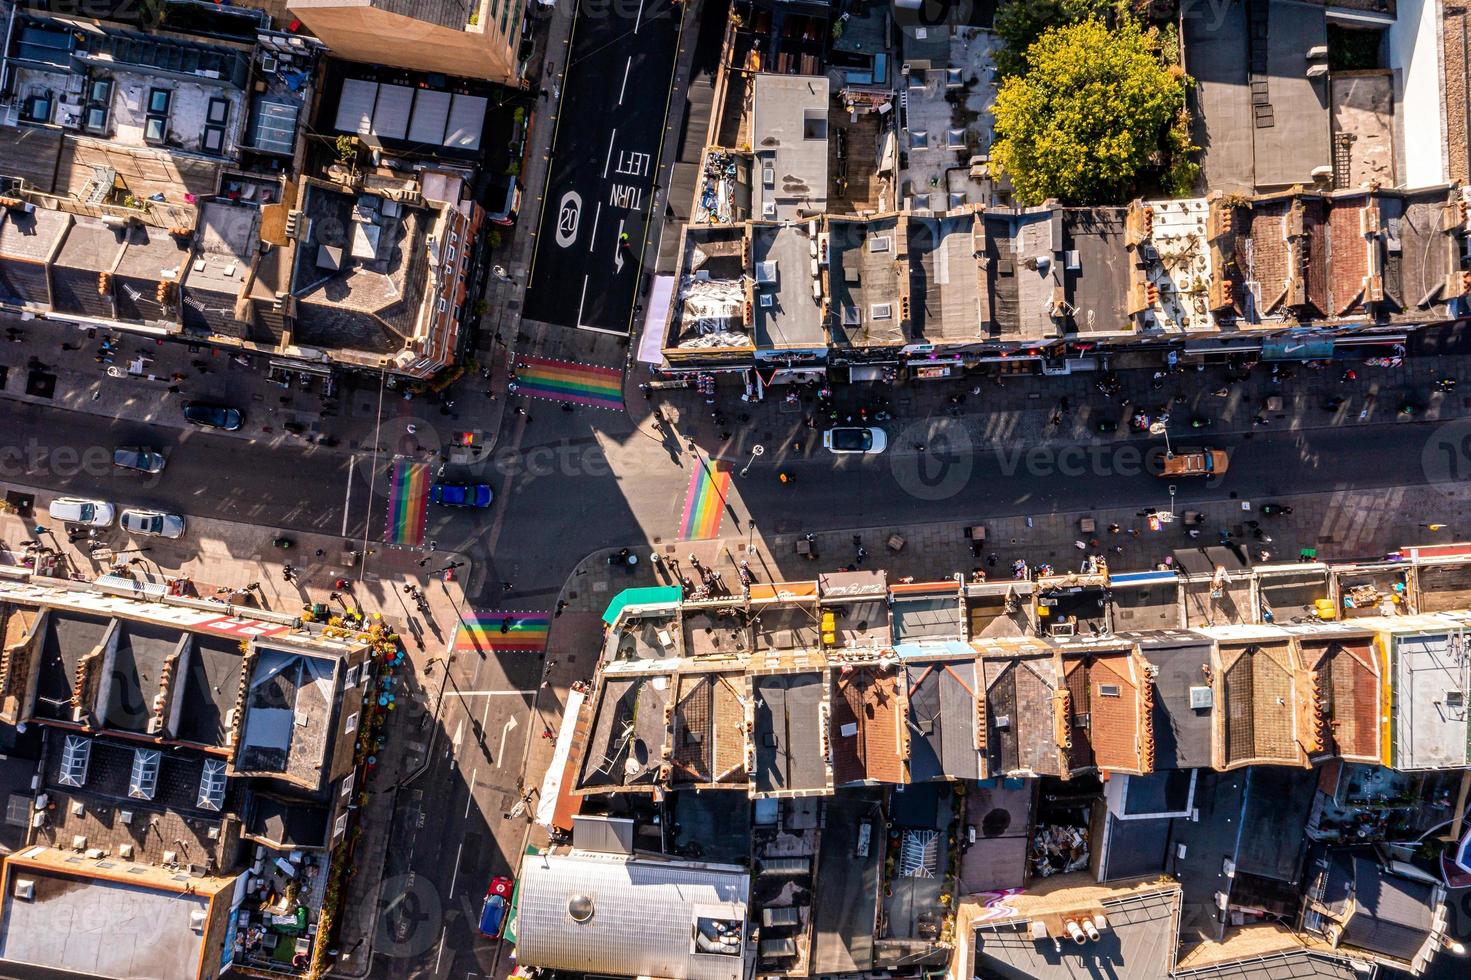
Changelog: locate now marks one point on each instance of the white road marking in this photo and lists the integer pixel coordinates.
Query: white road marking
(486, 694)
(471, 797)
(459, 730)
(609, 161)
(483, 716)
(440, 957)
(618, 248)
(456, 876)
(501, 756)
(626, 65)
(593, 238)
(352, 462)
(640, 19)
(579, 320)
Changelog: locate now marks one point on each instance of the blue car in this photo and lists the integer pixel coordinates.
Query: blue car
(497, 904)
(461, 494)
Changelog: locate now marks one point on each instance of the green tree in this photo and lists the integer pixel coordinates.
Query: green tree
(1089, 115)
(1020, 22)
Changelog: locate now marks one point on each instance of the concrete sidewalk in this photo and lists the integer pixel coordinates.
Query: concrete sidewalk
(1024, 410)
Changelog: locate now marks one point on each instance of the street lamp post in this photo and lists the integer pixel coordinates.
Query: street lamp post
(756, 450)
(750, 535)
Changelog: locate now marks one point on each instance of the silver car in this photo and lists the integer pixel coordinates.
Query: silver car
(79, 510)
(153, 523)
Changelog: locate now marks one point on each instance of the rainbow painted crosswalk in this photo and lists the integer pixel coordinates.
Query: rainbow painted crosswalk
(564, 381)
(408, 501)
(503, 632)
(704, 501)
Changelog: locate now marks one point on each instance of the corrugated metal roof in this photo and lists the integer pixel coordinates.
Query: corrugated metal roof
(466, 120)
(355, 107)
(431, 111)
(642, 916)
(391, 114)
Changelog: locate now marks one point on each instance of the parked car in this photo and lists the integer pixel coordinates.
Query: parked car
(214, 416)
(138, 458)
(154, 523)
(461, 494)
(79, 510)
(1202, 462)
(855, 439)
(496, 907)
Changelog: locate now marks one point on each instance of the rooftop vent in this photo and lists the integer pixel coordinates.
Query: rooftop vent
(580, 908)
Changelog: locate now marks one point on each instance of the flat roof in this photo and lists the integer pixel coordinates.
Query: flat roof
(947, 289)
(793, 317)
(107, 927)
(789, 138)
(1259, 120)
(1097, 289)
(864, 275)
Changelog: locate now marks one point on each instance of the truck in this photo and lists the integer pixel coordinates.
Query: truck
(1196, 462)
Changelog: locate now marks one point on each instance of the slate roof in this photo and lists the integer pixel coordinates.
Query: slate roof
(1182, 734)
(942, 720)
(1138, 944)
(788, 734)
(1384, 913)
(1021, 723)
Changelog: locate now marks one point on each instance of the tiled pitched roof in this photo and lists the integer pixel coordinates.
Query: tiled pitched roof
(867, 734)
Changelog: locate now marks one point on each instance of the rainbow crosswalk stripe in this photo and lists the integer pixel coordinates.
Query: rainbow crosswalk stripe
(704, 502)
(524, 631)
(408, 501)
(563, 381)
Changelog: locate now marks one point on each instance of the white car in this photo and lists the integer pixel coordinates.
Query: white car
(79, 510)
(855, 439)
(152, 522)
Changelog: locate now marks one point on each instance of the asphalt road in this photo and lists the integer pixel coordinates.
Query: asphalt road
(604, 157)
(564, 492)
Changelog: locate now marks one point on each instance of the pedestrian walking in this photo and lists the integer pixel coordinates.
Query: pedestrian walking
(520, 410)
(505, 586)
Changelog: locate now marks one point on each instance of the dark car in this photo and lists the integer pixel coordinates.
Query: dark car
(497, 904)
(138, 458)
(461, 494)
(214, 416)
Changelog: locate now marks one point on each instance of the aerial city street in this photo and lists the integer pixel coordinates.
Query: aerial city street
(735, 489)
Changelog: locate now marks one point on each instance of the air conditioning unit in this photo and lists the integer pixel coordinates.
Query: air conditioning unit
(1202, 698)
(170, 858)
(125, 851)
(79, 842)
(126, 816)
(94, 853)
(1062, 629)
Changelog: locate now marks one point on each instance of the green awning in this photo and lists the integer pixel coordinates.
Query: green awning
(654, 595)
